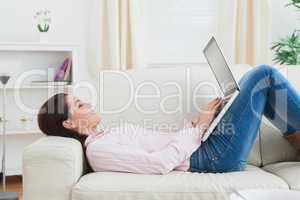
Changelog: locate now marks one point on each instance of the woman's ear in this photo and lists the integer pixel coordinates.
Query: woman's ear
(68, 124)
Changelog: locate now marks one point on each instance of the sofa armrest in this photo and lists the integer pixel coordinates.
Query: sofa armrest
(51, 167)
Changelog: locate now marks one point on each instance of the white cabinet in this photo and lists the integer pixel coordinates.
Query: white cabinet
(27, 62)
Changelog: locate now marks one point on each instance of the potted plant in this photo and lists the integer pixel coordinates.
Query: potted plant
(287, 50)
(43, 23)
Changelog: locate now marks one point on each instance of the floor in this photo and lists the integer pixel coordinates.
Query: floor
(14, 184)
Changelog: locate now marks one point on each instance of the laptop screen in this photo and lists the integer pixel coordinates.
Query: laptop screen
(220, 67)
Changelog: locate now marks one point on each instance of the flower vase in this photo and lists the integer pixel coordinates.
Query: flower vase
(44, 37)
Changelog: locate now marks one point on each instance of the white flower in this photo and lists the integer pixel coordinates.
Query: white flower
(43, 17)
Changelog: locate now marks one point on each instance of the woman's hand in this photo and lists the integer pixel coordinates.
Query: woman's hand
(209, 113)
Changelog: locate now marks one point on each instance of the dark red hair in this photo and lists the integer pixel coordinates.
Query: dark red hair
(51, 116)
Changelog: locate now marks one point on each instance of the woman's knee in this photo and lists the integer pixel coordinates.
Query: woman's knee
(263, 71)
(266, 69)
(258, 76)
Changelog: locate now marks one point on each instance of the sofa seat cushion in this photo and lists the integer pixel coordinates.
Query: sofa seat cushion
(288, 171)
(175, 185)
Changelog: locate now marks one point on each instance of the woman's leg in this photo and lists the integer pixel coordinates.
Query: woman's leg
(263, 91)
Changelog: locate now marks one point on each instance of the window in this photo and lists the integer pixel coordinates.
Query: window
(176, 31)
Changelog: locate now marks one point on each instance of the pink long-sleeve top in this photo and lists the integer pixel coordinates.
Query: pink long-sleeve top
(131, 148)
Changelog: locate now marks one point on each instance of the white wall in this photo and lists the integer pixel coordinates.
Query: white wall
(284, 19)
(176, 31)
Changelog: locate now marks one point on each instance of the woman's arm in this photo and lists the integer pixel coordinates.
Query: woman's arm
(126, 158)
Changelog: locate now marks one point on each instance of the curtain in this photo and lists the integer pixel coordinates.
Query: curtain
(244, 31)
(111, 43)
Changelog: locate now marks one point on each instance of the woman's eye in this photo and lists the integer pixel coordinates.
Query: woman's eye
(80, 105)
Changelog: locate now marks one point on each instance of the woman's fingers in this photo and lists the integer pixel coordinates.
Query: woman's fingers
(216, 102)
(216, 106)
(213, 103)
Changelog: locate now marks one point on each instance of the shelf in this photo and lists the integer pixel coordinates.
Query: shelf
(37, 44)
(40, 87)
(37, 47)
(27, 62)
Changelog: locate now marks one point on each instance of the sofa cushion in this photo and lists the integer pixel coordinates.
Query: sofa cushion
(175, 185)
(271, 138)
(51, 166)
(288, 171)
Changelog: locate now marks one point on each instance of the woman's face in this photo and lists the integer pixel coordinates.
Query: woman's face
(82, 118)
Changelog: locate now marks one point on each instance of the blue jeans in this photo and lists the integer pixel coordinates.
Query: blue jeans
(264, 91)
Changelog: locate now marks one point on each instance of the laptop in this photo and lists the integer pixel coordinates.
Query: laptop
(228, 85)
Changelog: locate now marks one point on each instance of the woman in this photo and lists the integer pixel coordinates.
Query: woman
(129, 148)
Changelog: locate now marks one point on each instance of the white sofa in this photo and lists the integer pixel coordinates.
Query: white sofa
(54, 167)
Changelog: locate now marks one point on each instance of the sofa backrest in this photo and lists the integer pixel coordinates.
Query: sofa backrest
(161, 98)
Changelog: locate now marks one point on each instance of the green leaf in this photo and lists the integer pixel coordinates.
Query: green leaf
(40, 28)
(295, 3)
(287, 50)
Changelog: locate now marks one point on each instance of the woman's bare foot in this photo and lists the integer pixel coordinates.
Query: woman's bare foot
(294, 140)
